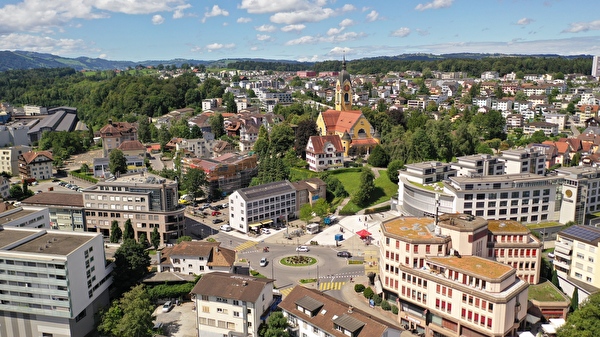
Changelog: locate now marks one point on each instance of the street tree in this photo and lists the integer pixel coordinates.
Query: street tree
(131, 264)
(277, 325)
(117, 162)
(128, 233)
(155, 238)
(321, 208)
(584, 322)
(115, 232)
(194, 182)
(306, 213)
(575, 300)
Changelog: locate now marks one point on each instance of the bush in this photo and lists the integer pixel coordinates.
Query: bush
(359, 288)
(170, 290)
(377, 299)
(385, 305)
(368, 293)
(394, 310)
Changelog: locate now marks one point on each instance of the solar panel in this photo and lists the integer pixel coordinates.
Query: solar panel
(585, 233)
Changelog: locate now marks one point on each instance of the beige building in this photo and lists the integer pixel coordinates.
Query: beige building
(113, 134)
(36, 165)
(148, 201)
(195, 258)
(9, 158)
(442, 282)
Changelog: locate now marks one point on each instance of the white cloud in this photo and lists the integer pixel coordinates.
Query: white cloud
(339, 51)
(313, 58)
(225, 24)
(577, 27)
(217, 46)
(372, 16)
(402, 32)
(42, 44)
(524, 21)
(349, 36)
(215, 11)
(302, 40)
(157, 19)
(254, 48)
(243, 20)
(435, 4)
(266, 28)
(290, 28)
(310, 15)
(334, 31)
(263, 37)
(348, 8)
(347, 23)
(274, 6)
(102, 56)
(130, 6)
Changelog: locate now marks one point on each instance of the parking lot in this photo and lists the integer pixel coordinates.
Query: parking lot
(180, 321)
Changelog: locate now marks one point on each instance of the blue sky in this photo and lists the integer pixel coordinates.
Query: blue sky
(303, 30)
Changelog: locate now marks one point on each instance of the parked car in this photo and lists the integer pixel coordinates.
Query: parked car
(263, 262)
(225, 205)
(215, 213)
(226, 228)
(167, 306)
(265, 231)
(344, 254)
(217, 220)
(302, 249)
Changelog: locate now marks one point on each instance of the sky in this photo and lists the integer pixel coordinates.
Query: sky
(300, 30)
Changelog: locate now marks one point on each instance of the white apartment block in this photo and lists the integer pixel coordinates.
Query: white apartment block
(523, 161)
(36, 165)
(255, 206)
(51, 283)
(209, 104)
(200, 147)
(576, 260)
(25, 217)
(9, 158)
(482, 102)
(549, 129)
(280, 97)
(442, 282)
(232, 305)
(502, 104)
(558, 119)
(478, 165)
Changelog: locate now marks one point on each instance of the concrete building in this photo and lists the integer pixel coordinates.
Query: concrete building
(36, 165)
(9, 158)
(135, 164)
(232, 305)
(148, 201)
(66, 211)
(576, 260)
(4, 187)
(195, 258)
(199, 148)
(526, 160)
(312, 313)
(253, 207)
(441, 281)
(34, 110)
(14, 134)
(57, 119)
(310, 190)
(24, 216)
(52, 283)
(580, 193)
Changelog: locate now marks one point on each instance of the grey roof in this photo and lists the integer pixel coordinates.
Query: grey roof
(587, 234)
(265, 190)
(231, 286)
(349, 323)
(309, 303)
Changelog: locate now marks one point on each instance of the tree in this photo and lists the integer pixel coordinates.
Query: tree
(584, 322)
(117, 162)
(277, 325)
(195, 132)
(155, 238)
(321, 208)
(538, 137)
(16, 192)
(128, 231)
(143, 239)
(555, 279)
(392, 170)
(217, 125)
(164, 136)
(282, 138)
(366, 187)
(143, 129)
(575, 300)
(306, 213)
(115, 232)
(131, 264)
(131, 316)
(261, 146)
(305, 130)
(378, 157)
(84, 169)
(193, 182)
(184, 238)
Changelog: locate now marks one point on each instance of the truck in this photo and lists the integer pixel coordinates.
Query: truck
(312, 228)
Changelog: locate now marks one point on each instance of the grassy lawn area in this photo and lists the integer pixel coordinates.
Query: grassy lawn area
(545, 292)
(384, 190)
(428, 187)
(544, 225)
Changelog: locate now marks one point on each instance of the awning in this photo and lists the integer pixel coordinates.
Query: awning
(532, 319)
(258, 224)
(378, 287)
(267, 222)
(525, 334)
(548, 328)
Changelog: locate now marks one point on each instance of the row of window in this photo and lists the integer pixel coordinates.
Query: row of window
(504, 203)
(504, 195)
(478, 303)
(115, 206)
(515, 252)
(476, 318)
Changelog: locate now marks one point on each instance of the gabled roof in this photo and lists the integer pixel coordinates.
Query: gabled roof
(340, 121)
(131, 145)
(561, 147)
(231, 286)
(319, 142)
(30, 156)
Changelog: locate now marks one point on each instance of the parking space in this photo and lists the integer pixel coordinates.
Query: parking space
(180, 321)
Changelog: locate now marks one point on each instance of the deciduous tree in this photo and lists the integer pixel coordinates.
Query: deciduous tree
(584, 322)
(117, 162)
(194, 182)
(115, 232)
(128, 233)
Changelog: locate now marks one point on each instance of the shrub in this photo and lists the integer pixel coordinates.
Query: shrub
(385, 305)
(368, 293)
(377, 299)
(359, 288)
(394, 310)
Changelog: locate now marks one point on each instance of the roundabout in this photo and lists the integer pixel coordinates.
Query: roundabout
(298, 261)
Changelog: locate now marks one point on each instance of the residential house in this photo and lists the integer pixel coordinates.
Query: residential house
(199, 147)
(132, 148)
(514, 121)
(563, 152)
(195, 258)
(310, 190)
(549, 129)
(9, 158)
(325, 152)
(66, 209)
(113, 134)
(101, 166)
(35, 165)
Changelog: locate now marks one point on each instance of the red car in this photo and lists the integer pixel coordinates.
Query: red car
(215, 213)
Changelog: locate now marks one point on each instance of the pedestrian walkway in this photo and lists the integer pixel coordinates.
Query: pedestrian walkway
(285, 291)
(245, 245)
(331, 285)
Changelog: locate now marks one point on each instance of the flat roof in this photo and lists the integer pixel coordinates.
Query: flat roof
(507, 226)
(461, 222)
(475, 265)
(501, 178)
(56, 198)
(413, 228)
(9, 236)
(53, 243)
(4, 219)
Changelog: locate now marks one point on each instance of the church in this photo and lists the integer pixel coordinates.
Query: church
(357, 135)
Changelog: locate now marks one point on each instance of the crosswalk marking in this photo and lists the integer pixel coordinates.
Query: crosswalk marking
(331, 285)
(284, 292)
(245, 245)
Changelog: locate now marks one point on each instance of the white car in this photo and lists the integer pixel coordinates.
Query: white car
(302, 249)
(167, 306)
(265, 231)
(226, 228)
(263, 262)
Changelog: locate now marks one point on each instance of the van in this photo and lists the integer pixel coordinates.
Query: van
(312, 228)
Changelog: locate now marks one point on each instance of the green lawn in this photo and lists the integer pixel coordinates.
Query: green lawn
(545, 292)
(544, 225)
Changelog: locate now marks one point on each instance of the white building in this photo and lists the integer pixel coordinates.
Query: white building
(25, 216)
(549, 129)
(52, 283)
(580, 192)
(596, 66)
(200, 147)
(36, 165)
(34, 110)
(209, 104)
(526, 160)
(195, 258)
(255, 206)
(9, 158)
(324, 153)
(232, 305)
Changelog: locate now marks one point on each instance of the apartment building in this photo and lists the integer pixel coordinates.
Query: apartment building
(549, 129)
(24, 216)
(148, 201)
(576, 260)
(113, 134)
(36, 165)
(66, 211)
(442, 282)
(478, 165)
(324, 153)
(101, 167)
(525, 160)
(52, 283)
(312, 313)
(195, 258)
(4, 187)
(199, 147)
(253, 207)
(232, 305)
(9, 158)
(511, 243)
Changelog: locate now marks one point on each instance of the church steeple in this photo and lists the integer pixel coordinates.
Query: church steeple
(343, 89)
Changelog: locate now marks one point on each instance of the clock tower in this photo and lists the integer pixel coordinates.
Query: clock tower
(343, 90)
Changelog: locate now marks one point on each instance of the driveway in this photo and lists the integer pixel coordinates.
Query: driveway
(179, 322)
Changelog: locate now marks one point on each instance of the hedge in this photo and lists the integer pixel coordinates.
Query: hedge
(359, 288)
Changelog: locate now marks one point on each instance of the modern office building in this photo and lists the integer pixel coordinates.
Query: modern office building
(312, 313)
(147, 200)
(65, 208)
(442, 281)
(52, 283)
(232, 305)
(256, 206)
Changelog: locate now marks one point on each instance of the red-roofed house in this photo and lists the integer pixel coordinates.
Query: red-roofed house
(563, 152)
(324, 153)
(133, 148)
(113, 134)
(195, 258)
(36, 165)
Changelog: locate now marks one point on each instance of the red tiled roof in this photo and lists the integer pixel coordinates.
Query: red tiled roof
(318, 143)
(30, 156)
(361, 142)
(130, 145)
(561, 147)
(340, 121)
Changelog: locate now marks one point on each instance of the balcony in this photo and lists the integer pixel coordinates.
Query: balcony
(565, 246)
(562, 264)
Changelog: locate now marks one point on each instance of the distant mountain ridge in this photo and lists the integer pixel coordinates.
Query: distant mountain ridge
(10, 60)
